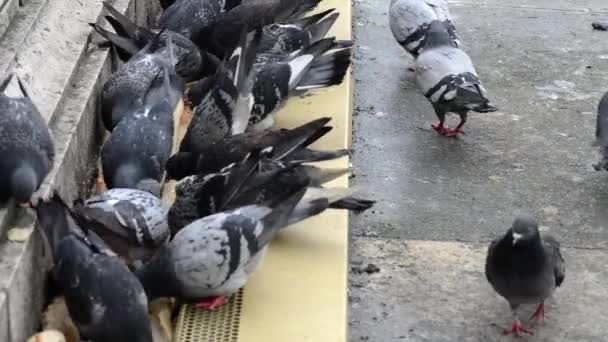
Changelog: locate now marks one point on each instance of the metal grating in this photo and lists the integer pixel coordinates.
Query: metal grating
(219, 325)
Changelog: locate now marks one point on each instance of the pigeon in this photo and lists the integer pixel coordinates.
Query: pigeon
(410, 20)
(447, 77)
(213, 257)
(26, 146)
(133, 222)
(525, 267)
(127, 85)
(104, 299)
(601, 133)
(279, 39)
(309, 68)
(223, 102)
(192, 64)
(222, 37)
(141, 143)
(601, 25)
(252, 181)
(289, 145)
(189, 17)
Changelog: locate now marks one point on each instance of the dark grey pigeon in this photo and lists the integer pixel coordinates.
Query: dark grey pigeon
(104, 299)
(310, 68)
(525, 267)
(410, 20)
(213, 257)
(223, 102)
(129, 39)
(141, 143)
(446, 76)
(288, 145)
(132, 222)
(601, 133)
(25, 145)
(189, 17)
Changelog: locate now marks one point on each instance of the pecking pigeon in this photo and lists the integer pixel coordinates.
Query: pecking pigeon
(26, 146)
(104, 299)
(601, 133)
(447, 77)
(132, 222)
(223, 102)
(288, 145)
(410, 20)
(525, 267)
(189, 17)
(213, 257)
(141, 143)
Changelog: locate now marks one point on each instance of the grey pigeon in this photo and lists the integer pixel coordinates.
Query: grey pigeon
(601, 133)
(253, 181)
(132, 222)
(288, 145)
(410, 20)
(104, 299)
(189, 17)
(223, 102)
(213, 257)
(446, 76)
(308, 68)
(191, 63)
(223, 35)
(25, 145)
(129, 83)
(525, 267)
(141, 143)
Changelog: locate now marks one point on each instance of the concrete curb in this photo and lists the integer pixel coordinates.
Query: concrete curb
(46, 46)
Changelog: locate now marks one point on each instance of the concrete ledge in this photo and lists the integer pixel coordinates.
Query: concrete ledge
(65, 80)
(8, 9)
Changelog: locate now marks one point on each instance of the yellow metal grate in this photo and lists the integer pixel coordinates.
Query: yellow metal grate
(219, 325)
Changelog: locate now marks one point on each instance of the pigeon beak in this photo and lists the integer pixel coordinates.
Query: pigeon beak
(516, 237)
(26, 205)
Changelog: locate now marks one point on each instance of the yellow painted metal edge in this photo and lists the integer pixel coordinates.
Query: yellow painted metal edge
(300, 291)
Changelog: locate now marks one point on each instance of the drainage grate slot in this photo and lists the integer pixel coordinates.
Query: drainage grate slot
(219, 325)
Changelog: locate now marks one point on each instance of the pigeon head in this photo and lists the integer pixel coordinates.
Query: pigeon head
(524, 230)
(24, 182)
(438, 34)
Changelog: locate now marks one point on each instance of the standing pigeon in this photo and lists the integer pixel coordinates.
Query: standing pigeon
(129, 39)
(132, 222)
(141, 143)
(288, 145)
(25, 145)
(410, 20)
(525, 268)
(223, 102)
(309, 68)
(447, 77)
(601, 133)
(104, 299)
(213, 257)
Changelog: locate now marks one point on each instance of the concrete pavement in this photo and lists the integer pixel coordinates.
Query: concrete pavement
(440, 200)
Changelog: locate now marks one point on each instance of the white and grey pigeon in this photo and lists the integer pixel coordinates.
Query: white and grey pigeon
(446, 76)
(601, 133)
(410, 20)
(525, 267)
(103, 297)
(25, 145)
(133, 222)
(213, 257)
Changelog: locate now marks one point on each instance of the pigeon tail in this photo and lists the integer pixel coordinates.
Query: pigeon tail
(326, 70)
(311, 156)
(126, 47)
(318, 30)
(53, 221)
(280, 214)
(320, 176)
(244, 76)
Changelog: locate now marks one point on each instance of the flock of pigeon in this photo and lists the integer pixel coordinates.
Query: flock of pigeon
(523, 266)
(239, 180)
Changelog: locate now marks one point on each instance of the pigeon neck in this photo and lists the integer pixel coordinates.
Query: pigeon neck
(24, 182)
(157, 276)
(438, 35)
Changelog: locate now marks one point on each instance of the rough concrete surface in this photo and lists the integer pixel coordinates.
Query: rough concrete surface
(545, 68)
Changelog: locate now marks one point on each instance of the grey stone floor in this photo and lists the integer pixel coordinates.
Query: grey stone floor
(441, 200)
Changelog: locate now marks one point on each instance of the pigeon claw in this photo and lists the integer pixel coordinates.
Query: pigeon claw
(539, 314)
(212, 303)
(441, 129)
(517, 329)
(454, 132)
